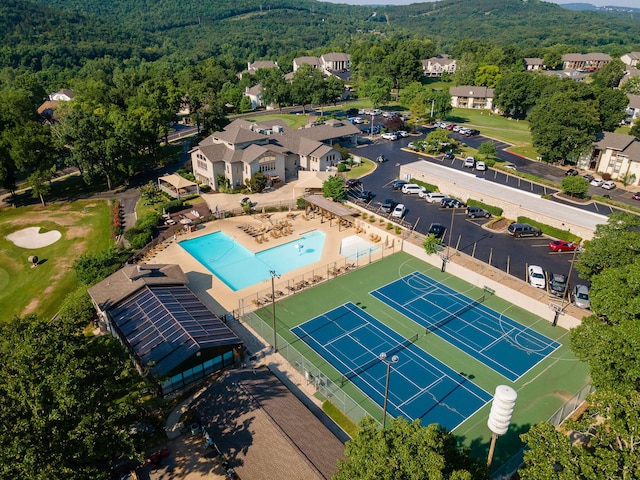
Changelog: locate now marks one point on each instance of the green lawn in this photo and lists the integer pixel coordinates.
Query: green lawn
(293, 121)
(541, 391)
(84, 225)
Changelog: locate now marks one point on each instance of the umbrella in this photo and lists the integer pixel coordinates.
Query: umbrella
(186, 221)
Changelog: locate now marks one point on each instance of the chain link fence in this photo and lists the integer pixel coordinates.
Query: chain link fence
(508, 470)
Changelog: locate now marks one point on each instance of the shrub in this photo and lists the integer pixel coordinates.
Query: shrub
(342, 167)
(606, 177)
(301, 203)
(495, 211)
(430, 187)
(552, 231)
(389, 225)
(397, 229)
(172, 206)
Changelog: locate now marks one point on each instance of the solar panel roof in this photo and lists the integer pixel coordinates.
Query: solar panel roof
(165, 325)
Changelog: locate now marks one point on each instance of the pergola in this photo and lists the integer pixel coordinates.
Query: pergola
(177, 186)
(329, 208)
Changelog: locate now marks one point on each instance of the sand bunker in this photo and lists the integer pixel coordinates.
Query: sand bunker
(32, 238)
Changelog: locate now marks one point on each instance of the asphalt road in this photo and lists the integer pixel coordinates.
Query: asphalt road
(467, 235)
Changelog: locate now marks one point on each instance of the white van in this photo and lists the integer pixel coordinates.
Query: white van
(434, 197)
(412, 188)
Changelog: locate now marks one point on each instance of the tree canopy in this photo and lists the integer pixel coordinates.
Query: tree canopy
(406, 451)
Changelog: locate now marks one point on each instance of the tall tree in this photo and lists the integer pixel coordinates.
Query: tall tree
(517, 92)
(487, 76)
(564, 122)
(307, 85)
(609, 75)
(406, 450)
(612, 106)
(275, 89)
(65, 401)
(377, 89)
(402, 67)
(614, 244)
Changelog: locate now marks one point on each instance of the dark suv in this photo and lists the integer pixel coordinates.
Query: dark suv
(388, 205)
(437, 230)
(523, 230)
(558, 284)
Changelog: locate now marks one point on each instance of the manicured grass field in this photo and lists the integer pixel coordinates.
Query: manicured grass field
(541, 391)
(84, 225)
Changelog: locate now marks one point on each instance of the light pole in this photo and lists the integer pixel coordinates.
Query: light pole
(394, 359)
(274, 274)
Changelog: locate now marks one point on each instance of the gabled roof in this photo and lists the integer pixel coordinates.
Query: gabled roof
(616, 141)
(633, 55)
(583, 57)
(131, 278)
(471, 91)
(262, 64)
(254, 91)
(336, 57)
(331, 129)
(314, 61)
(439, 61)
(533, 61)
(166, 325)
(634, 100)
(238, 135)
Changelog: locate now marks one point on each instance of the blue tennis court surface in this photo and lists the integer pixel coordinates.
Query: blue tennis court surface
(420, 386)
(499, 342)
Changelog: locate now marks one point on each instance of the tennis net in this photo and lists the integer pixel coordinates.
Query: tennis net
(376, 360)
(456, 314)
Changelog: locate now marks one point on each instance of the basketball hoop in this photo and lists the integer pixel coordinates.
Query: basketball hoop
(556, 308)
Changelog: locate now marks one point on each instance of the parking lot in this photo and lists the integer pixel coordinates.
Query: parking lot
(470, 235)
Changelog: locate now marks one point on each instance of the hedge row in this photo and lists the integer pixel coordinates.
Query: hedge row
(552, 231)
(495, 211)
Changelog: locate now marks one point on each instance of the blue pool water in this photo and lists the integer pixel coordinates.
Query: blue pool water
(239, 268)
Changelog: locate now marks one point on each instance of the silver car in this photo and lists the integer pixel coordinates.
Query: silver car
(581, 296)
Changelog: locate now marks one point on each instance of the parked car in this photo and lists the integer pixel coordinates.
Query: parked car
(477, 212)
(398, 184)
(588, 176)
(364, 195)
(399, 211)
(609, 185)
(572, 172)
(636, 196)
(352, 183)
(358, 120)
(437, 230)
(433, 197)
(402, 133)
(536, 276)
(449, 155)
(448, 202)
(597, 182)
(472, 132)
(450, 126)
(374, 130)
(581, 296)
(390, 136)
(562, 246)
(413, 188)
(469, 162)
(510, 166)
(388, 205)
(523, 230)
(481, 166)
(155, 457)
(557, 284)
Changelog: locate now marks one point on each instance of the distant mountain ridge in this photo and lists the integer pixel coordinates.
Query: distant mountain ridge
(609, 8)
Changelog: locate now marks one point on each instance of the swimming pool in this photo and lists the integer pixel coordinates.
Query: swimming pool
(239, 268)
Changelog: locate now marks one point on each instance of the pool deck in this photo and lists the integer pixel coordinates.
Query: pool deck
(220, 298)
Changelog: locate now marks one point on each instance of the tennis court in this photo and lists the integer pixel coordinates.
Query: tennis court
(496, 340)
(420, 386)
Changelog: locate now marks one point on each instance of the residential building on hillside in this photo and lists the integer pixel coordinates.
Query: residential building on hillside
(243, 148)
(255, 66)
(631, 59)
(584, 61)
(533, 64)
(48, 108)
(467, 96)
(255, 95)
(335, 61)
(436, 66)
(618, 155)
(633, 108)
(315, 62)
